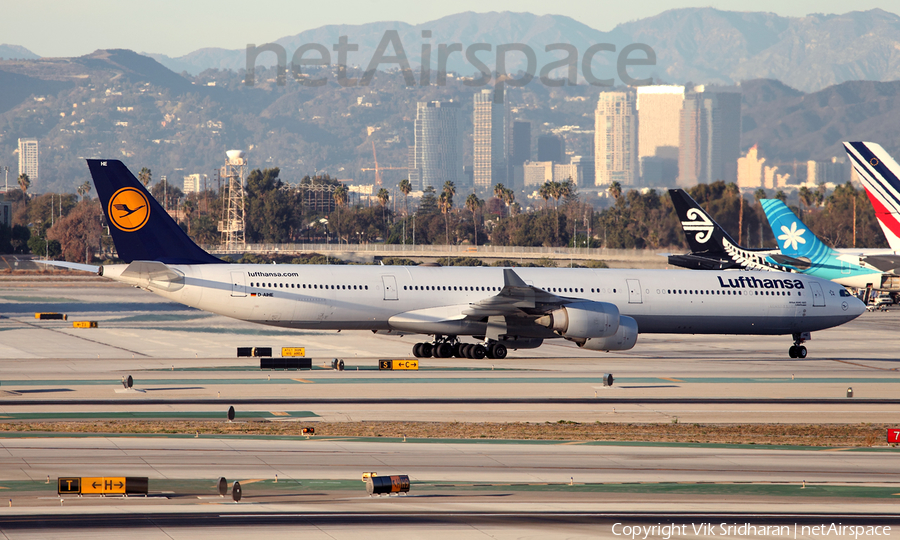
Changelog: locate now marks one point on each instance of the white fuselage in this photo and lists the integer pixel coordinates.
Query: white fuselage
(369, 297)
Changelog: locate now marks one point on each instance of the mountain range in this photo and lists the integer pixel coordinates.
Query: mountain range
(692, 44)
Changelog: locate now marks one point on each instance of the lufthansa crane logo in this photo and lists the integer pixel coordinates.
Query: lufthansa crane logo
(699, 224)
(128, 209)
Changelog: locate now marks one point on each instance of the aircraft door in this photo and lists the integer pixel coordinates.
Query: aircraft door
(390, 287)
(238, 286)
(818, 296)
(634, 291)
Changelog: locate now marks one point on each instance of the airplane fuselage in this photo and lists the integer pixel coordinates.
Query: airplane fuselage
(377, 297)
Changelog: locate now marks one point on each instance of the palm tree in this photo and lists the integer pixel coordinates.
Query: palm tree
(24, 184)
(473, 203)
(509, 197)
(405, 187)
(145, 176)
(499, 190)
(445, 203)
(544, 192)
(340, 200)
(84, 189)
(383, 197)
(450, 190)
(188, 208)
(615, 189)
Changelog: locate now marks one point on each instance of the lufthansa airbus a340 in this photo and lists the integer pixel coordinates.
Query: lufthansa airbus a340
(499, 308)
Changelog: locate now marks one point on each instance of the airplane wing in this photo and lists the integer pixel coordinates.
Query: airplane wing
(517, 303)
(884, 263)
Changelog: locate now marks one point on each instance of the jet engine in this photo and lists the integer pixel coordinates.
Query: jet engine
(582, 320)
(624, 338)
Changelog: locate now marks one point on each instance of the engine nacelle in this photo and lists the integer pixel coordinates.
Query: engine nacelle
(624, 338)
(583, 320)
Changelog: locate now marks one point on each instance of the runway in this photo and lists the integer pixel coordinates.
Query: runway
(185, 368)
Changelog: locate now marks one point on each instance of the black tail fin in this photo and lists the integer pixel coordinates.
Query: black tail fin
(703, 234)
(141, 229)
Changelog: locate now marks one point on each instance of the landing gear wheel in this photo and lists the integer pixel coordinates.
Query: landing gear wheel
(478, 352)
(497, 350)
(443, 350)
(457, 350)
(417, 350)
(801, 352)
(792, 352)
(426, 350)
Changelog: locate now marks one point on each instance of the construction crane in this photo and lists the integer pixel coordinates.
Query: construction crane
(377, 168)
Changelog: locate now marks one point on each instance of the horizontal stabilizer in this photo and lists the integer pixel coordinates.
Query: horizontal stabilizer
(885, 263)
(71, 265)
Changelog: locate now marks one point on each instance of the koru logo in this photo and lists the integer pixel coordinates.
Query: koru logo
(128, 209)
(698, 223)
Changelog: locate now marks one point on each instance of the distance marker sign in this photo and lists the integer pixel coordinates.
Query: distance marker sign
(103, 485)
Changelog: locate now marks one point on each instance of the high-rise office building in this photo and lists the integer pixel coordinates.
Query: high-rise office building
(28, 158)
(551, 148)
(519, 153)
(437, 156)
(710, 135)
(490, 120)
(615, 139)
(659, 117)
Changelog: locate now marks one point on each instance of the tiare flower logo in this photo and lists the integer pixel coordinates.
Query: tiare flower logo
(792, 236)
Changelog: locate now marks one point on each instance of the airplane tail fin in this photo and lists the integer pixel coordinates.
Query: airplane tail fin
(794, 238)
(703, 234)
(880, 175)
(140, 227)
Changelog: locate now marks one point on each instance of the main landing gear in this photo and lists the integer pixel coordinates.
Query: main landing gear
(797, 350)
(446, 347)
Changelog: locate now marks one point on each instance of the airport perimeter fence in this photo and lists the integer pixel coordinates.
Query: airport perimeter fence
(649, 257)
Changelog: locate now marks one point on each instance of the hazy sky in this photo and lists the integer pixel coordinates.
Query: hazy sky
(74, 28)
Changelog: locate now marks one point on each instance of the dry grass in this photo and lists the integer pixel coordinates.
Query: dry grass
(839, 435)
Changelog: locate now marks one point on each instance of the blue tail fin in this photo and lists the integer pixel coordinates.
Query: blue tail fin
(141, 229)
(794, 238)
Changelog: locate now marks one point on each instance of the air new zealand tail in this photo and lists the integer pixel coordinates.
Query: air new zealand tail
(711, 247)
(140, 227)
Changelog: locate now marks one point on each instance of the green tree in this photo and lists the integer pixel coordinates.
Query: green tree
(79, 232)
(428, 204)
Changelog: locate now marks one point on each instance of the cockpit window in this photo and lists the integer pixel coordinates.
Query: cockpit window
(845, 292)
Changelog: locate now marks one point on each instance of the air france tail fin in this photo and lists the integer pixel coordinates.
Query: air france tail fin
(140, 227)
(880, 175)
(793, 237)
